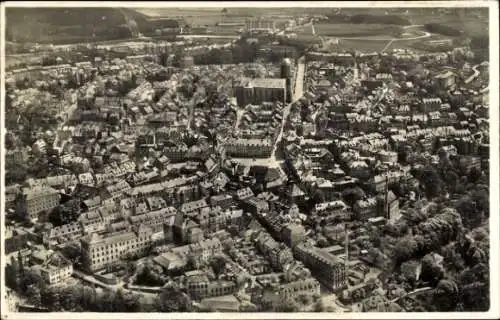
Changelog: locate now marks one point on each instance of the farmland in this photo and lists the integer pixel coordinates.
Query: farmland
(473, 24)
(212, 16)
(362, 45)
(350, 30)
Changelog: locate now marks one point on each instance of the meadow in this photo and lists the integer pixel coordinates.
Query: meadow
(354, 30)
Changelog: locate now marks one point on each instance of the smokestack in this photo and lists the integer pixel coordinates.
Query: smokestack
(386, 204)
(346, 247)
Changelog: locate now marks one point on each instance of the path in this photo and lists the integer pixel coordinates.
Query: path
(240, 112)
(475, 75)
(387, 45)
(201, 36)
(90, 279)
(413, 293)
(424, 34)
(132, 25)
(297, 94)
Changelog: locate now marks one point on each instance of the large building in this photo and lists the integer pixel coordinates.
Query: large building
(249, 148)
(286, 73)
(445, 80)
(187, 62)
(102, 251)
(32, 201)
(293, 289)
(327, 268)
(259, 90)
(260, 24)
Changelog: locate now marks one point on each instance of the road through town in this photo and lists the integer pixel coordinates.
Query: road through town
(297, 94)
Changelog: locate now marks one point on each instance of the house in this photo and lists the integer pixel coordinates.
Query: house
(293, 289)
(278, 254)
(91, 222)
(293, 234)
(66, 232)
(365, 208)
(255, 205)
(56, 269)
(199, 287)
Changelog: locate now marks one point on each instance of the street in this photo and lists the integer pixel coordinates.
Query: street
(297, 94)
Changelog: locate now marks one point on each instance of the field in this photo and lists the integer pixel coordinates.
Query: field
(472, 23)
(362, 45)
(354, 30)
(12, 61)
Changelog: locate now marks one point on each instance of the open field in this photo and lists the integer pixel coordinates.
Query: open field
(354, 30)
(248, 12)
(471, 23)
(11, 61)
(362, 45)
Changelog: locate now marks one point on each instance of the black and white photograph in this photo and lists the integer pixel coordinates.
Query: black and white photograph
(226, 160)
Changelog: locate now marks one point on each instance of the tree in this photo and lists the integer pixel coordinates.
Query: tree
(12, 272)
(405, 249)
(469, 212)
(304, 299)
(322, 241)
(15, 173)
(352, 195)
(319, 196)
(28, 278)
(65, 213)
(451, 178)
(218, 264)
(474, 283)
(89, 297)
(411, 270)
(148, 275)
(288, 306)
(474, 175)
(431, 182)
(431, 271)
(51, 298)
(34, 295)
(446, 295)
(71, 297)
(171, 299)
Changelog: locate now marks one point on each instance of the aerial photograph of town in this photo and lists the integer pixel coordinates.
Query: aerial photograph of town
(246, 159)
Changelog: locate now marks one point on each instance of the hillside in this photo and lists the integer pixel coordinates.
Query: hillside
(65, 24)
(146, 24)
(70, 25)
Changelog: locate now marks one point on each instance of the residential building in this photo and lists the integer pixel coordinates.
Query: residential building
(365, 208)
(278, 254)
(327, 268)
(56, 269)
(293, 234)
(199, 287)
(249, 148)
(32, 201)
(293, 289)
